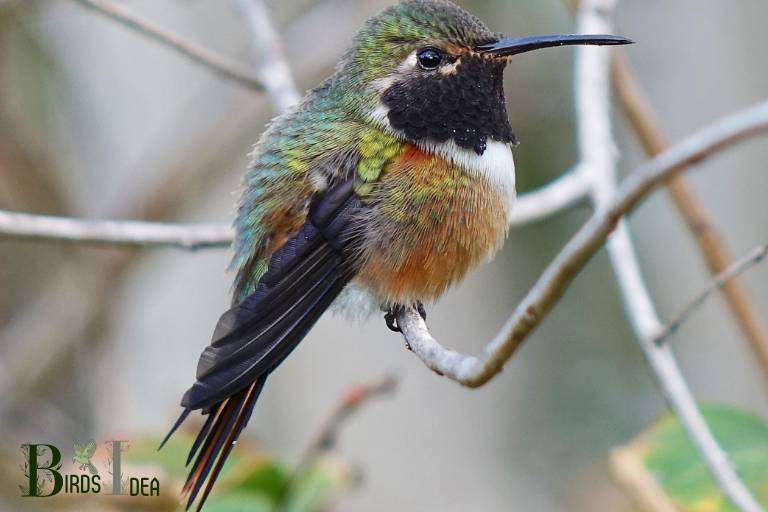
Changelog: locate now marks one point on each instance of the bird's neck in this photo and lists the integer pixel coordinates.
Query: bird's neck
(495, 163)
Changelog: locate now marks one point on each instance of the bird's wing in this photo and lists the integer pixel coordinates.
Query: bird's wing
(89, 449)
(304, 276)
(78, 450)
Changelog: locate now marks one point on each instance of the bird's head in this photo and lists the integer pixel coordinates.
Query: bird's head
(431, 72)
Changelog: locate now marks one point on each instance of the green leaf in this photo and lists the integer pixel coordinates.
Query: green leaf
(665, 456)
(239, 501)
(268, 479)
(315, 488)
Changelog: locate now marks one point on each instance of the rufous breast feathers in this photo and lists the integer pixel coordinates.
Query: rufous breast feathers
(430, 222)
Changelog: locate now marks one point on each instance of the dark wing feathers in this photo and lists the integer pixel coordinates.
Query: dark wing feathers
(264, 345)
(303, 278)
(244, 336)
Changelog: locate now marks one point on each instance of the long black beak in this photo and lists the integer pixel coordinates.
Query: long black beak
(507, 47)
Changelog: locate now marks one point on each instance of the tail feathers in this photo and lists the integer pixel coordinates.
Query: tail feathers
(304, 276)
(175, 427)
(218, 436)
(203, 433)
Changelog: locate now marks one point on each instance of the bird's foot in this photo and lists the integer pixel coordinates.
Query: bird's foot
(390, 317)
(422, 311)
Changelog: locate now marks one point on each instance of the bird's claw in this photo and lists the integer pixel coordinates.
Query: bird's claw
(390, 317)
(422, 311)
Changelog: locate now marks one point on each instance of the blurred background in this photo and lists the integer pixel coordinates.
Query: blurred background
(98, 122)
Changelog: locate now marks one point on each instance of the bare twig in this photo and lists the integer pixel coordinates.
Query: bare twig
(279, 85)
(476, 371)
(326, 439)
(629, 471)
(596, 147)
(57, 337)
(173, 41)
(530, 207)
(643, 120)
(555, 197)
(597, 150)
(111, 232)
(271, 67)
(355, 398)
(720, 281)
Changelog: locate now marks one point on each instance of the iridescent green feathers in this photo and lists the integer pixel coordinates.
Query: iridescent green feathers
(389, 37)
(295, 158)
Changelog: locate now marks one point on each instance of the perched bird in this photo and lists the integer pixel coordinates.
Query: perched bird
(381, 189)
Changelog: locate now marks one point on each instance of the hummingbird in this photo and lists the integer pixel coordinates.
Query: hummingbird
(381, 189)
(83, 455)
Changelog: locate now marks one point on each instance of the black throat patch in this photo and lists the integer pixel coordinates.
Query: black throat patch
(467, 106)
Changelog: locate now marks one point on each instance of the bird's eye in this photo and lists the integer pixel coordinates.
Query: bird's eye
(430, 58)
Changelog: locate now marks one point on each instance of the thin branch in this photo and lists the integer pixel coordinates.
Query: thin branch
(271, 66)
(350, 403)
(327, 438)
(643, 120)
(281, 89)
(530, 207)
(598, 154)
(597, 148)
(552, 198)
(181, 46)
(57, 337)
(475, 371)
(110, 232)
(751, 260)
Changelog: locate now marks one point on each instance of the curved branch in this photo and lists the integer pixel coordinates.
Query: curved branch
(475, 371)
